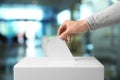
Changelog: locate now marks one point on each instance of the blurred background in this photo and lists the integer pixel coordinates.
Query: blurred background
(26, 24)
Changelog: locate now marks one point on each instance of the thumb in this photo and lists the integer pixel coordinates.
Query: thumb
(64, 35)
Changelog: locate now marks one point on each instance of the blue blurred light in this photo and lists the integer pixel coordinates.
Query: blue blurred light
(24, 12)
(90, 46)
(64, 15)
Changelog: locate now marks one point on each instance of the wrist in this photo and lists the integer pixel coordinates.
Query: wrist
(83, 25)
(86, 26)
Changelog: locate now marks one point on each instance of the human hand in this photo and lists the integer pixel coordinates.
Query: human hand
(69, 28)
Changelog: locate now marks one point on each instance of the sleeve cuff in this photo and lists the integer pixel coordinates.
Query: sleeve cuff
(91, 22)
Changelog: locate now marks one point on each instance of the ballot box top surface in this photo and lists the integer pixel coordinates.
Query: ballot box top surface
(30, 62)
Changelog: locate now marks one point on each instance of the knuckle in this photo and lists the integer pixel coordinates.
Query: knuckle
(66, 21)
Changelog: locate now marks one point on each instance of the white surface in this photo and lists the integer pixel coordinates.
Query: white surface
(44, 62)
(43, 69)
(57, 49)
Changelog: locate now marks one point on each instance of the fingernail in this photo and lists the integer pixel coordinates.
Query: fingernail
(61, 37)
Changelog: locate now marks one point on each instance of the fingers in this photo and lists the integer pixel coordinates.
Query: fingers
(61, 29)
(64, 35)
(63, 32)
(69, 38)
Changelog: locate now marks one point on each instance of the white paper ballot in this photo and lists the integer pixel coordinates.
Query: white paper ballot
(57, 50)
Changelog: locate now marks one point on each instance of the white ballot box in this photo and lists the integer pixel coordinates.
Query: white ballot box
(83, 68)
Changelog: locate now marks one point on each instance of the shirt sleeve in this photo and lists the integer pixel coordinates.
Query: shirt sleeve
(108, 16)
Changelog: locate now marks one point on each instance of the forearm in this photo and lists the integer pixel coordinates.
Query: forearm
(109, 16)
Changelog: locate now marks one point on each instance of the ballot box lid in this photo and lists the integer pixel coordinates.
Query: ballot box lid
(31, 62)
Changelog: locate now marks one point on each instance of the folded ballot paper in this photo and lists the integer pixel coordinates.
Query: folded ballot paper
(57, 50)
